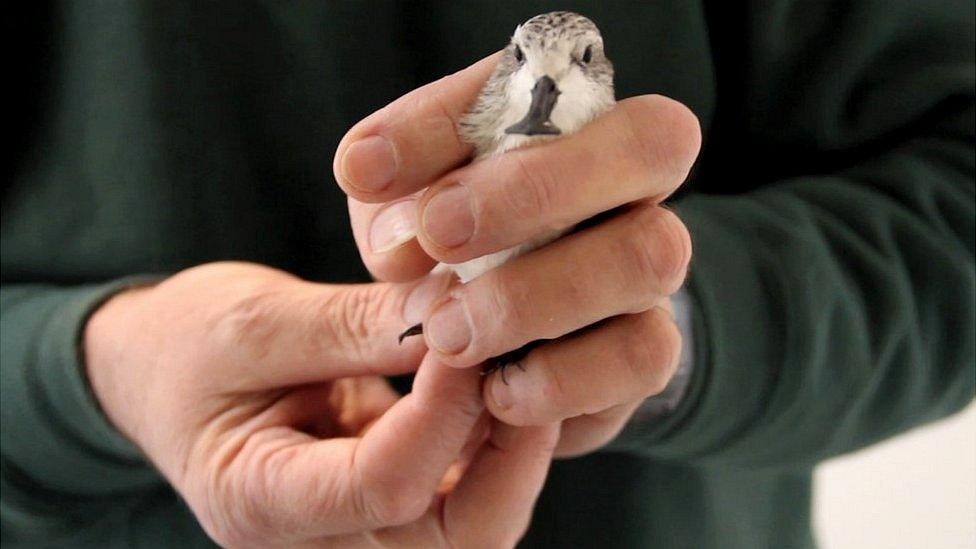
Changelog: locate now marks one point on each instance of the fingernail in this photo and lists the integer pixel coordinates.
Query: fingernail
(448, 329)
(501, 392)
(448, 219)
(394, 225)
(421, 297)
(369, 164)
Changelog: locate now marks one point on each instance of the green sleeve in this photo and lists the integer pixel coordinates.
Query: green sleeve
(68, 478)
(835, 307)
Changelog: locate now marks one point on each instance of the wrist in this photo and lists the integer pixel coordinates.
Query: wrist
(106, 343)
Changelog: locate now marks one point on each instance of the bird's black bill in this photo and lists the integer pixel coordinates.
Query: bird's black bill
(536, 121)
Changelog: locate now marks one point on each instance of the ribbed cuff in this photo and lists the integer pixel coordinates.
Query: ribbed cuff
(731, 303)
(55, 431)
(659, 412)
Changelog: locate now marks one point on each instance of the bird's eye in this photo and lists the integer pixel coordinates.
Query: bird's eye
(519, 56)
(587, 55)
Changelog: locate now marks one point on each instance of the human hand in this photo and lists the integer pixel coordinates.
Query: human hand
(600, 293)
(260, 398)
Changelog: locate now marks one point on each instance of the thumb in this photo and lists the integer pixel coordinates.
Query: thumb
(317, 332)
(386, 237)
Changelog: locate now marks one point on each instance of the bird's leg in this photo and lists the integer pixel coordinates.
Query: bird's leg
(512, 358)
(416, 329)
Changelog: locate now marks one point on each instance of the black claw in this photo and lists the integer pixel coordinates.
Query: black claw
(511, 358)
(416, 329)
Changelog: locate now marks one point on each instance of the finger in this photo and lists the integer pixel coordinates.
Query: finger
(624, 265)
(643, 148)
(304, 333)
(293, 487)
(354, 404)
(269, 483)
(589, 432)
(627, 359)
(406, 145)
(492, 505)
(401, 461)
(386, 237)
(477, 437)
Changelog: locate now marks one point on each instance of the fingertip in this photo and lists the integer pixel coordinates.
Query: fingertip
(656, 115)
(385, 235)
(367, 166)
(503, 396)
(421, 296)
(407, 144)
(406, 262)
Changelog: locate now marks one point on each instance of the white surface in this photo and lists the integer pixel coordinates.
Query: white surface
(914, 491)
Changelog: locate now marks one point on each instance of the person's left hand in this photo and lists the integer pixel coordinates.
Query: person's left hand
(601, 293)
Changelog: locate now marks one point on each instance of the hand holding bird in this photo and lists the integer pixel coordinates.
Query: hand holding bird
(596, 298)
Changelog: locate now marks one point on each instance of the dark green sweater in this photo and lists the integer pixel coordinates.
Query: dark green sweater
(832, 214)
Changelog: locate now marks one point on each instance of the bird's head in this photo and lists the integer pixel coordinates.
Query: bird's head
(558, 76)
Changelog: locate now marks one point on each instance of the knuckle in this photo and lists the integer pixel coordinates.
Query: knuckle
(651, 349)
(507, 294)
(644, 261)
(661, 249)
(664, 130)
(250, 322)
(685, 131)
(533, 189)
(553, 388)
(669, 340)
(447, 121)
(639, 142)
(351, 315)
(674, 249)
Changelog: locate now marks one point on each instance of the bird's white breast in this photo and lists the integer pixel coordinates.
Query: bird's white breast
(469, 270)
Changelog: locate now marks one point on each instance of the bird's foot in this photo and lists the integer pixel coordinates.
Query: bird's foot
(499, 363)
(512, 358)
(416, 329)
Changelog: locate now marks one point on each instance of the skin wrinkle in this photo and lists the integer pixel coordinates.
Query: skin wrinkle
(634, 143)
(651, 270)
(227, 456)
(357, 487)
(452, 117)
(652, 352)
(360, 314)
(262, 461)
(540, 190)
(388, 505)
(554, 390)
(505, 315)
(443, 524)
(673, 263)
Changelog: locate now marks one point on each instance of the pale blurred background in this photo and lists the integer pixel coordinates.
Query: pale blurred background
(914, 491)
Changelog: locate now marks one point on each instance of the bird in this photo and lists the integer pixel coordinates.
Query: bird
(552, 79)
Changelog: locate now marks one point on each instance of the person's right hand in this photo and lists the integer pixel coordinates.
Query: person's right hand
(259, 397)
